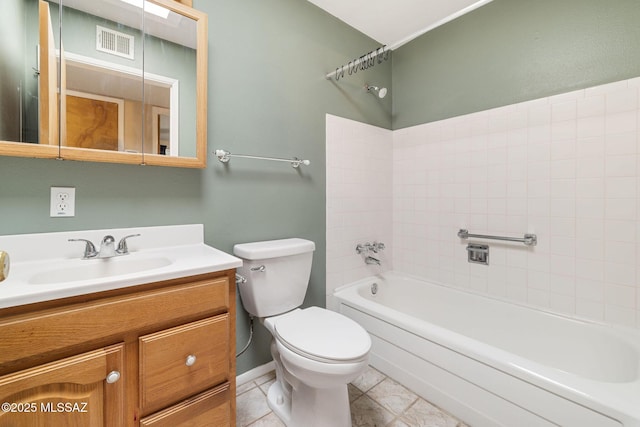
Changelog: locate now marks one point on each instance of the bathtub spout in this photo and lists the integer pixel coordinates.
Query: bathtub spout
(372, 260)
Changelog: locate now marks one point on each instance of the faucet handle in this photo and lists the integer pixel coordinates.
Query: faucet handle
(363, 248)
(122, 245)
(89, 248)
(377, 247)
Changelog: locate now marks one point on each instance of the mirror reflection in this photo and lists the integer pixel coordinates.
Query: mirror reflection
(19, 68)
(171, 36)
(108, 75)
(101, 79)
(125, 89)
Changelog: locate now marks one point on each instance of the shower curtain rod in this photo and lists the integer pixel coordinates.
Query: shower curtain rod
(352, 66)
(364, 62)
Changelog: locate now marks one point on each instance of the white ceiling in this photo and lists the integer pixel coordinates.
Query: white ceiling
(175, 27)
(396, 22)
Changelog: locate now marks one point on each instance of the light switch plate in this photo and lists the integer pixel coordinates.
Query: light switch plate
(63, 202)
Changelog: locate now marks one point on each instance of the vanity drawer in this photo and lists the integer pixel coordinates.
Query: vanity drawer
(179, 362)
(211, 408)
(107, 319)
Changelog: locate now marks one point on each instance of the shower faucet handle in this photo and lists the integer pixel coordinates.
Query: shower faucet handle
(377, 246)
(374, 247)
(362, 248)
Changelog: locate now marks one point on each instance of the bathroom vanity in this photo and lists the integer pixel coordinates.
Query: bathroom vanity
(147, 353)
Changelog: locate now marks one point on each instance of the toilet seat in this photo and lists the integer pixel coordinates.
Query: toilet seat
(323, 335)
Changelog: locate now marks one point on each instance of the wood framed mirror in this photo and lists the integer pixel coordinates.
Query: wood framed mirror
(121, 81)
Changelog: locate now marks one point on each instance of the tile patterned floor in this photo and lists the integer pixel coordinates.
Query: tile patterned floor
(376, 401)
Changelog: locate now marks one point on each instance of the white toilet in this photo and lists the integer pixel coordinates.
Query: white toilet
(317, 352)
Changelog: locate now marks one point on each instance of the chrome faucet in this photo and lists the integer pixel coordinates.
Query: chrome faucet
(371, 260)
(107, 247)
(365, 248)
(374, 247)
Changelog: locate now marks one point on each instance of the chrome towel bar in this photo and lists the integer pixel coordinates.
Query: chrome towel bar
(528, 239)
(224, 157)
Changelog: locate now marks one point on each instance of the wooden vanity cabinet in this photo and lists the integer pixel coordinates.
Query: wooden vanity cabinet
(159, 354)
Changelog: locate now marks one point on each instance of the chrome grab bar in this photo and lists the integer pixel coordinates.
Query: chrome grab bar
(528, 239)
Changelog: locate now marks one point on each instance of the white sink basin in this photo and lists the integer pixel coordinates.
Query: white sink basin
(48, 266)
(97, 269)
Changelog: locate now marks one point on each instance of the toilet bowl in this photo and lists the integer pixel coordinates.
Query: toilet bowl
(317, 352)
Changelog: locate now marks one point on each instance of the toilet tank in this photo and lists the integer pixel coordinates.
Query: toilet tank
(277, 273)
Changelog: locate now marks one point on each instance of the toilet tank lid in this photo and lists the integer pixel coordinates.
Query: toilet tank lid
(273, 248)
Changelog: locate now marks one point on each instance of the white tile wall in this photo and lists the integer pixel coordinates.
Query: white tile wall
(564, 167)
(359, 162)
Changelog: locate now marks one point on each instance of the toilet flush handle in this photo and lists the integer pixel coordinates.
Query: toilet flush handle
(261, 269)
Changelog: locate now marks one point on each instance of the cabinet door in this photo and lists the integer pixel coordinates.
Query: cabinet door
(82, 390)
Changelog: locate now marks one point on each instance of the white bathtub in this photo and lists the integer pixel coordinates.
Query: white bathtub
(493, 363)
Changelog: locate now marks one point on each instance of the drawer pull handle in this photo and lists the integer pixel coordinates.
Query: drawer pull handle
(191, 360)
(113, 377)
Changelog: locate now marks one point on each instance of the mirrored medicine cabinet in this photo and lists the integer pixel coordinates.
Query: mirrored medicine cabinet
(121, 81)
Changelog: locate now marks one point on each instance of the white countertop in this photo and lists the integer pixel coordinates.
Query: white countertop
(47, 266)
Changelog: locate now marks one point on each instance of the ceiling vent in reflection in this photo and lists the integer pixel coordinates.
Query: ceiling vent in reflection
(114, 42)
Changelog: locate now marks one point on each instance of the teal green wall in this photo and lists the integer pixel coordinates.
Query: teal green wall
(267, 95)
(509, 51)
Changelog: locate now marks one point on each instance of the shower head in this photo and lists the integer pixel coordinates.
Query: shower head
(382, 92)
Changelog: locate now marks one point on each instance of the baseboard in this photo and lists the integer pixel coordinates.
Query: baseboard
(254, 373)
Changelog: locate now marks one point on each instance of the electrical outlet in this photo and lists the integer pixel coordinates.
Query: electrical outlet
(63, 201)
